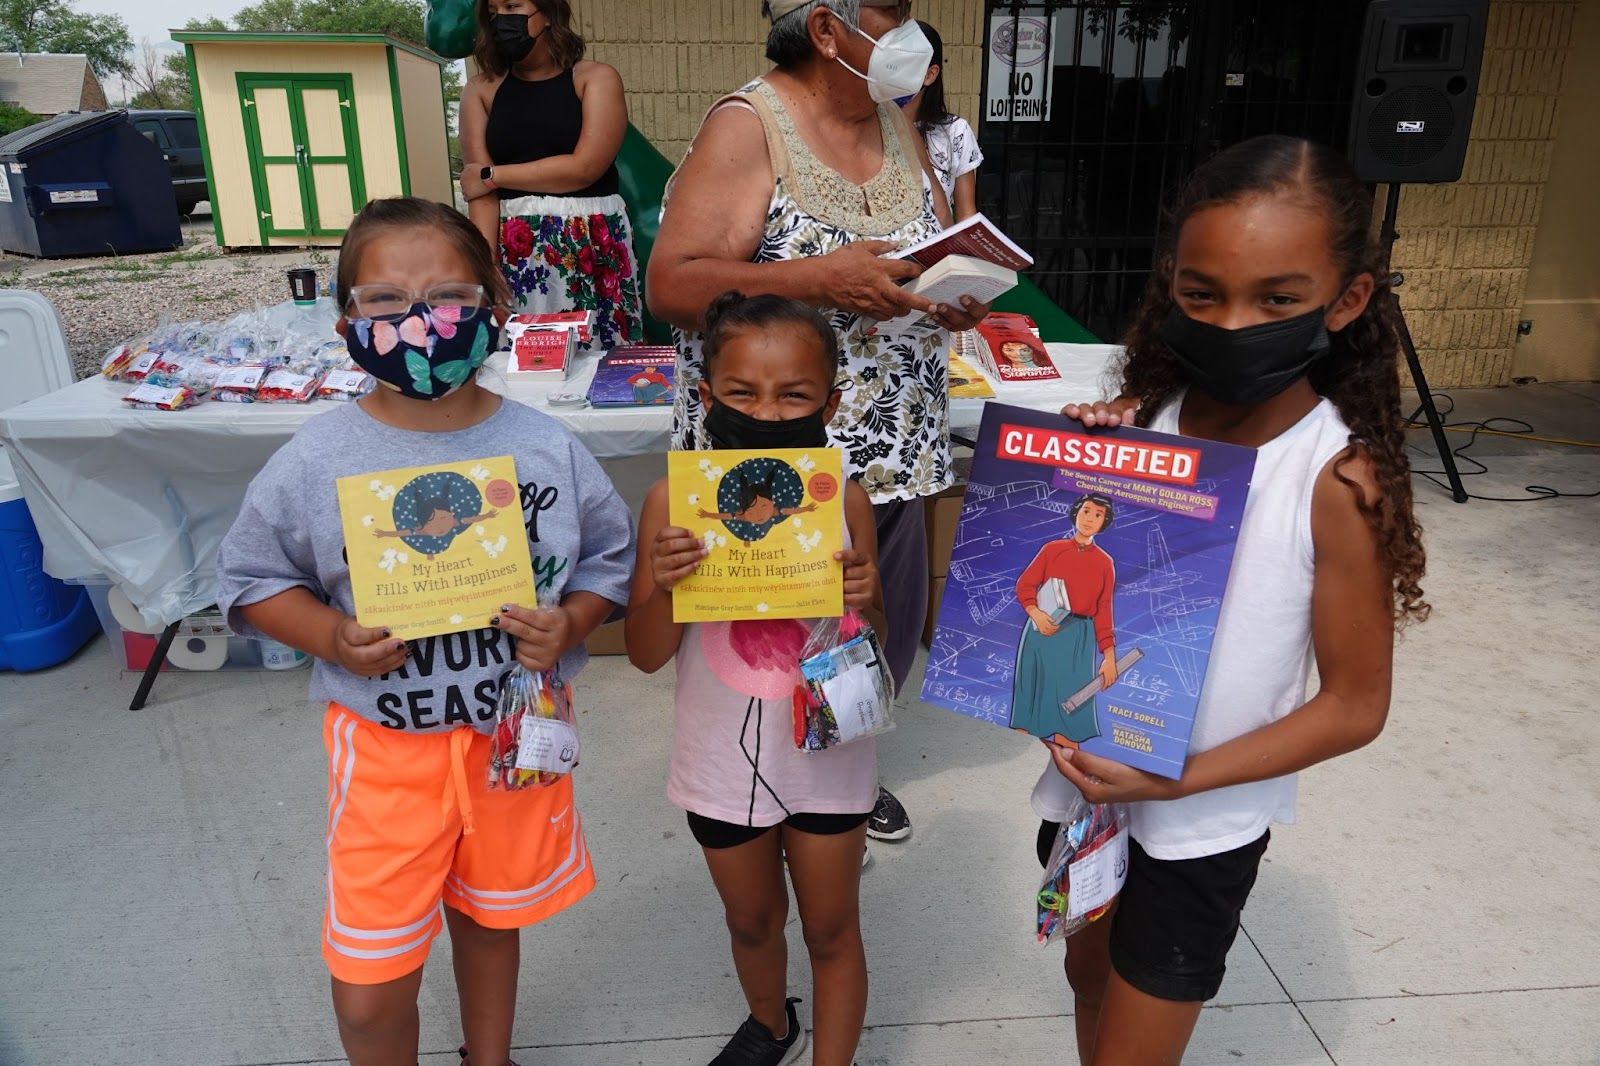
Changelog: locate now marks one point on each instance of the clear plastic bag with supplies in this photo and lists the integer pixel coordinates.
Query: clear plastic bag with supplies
(1086, 869)
(845, 690)
(535, 738)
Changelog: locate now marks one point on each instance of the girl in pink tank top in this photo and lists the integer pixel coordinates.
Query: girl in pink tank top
(757, 804)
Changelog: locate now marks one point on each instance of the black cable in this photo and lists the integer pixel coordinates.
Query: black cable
(1506, 426)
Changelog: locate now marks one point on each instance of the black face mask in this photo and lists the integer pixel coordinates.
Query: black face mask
(511, 37)
(1250, 365)
(729, 428)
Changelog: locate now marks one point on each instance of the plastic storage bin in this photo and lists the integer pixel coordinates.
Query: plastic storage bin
(42, 621)
(203, 642)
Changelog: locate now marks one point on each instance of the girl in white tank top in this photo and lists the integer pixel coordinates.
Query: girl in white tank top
(1265, 324)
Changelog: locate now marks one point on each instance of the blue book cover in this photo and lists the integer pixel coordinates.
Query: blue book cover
(1085, 584)
(635, 375)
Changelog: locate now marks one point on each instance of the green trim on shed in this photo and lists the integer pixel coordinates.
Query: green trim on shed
(399, 123)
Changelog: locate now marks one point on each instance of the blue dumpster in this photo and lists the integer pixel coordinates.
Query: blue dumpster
(85, 183)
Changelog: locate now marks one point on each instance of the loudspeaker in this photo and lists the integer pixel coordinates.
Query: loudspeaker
(1416, 88)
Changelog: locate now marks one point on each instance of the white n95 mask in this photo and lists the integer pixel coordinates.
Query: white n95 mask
(900, 60)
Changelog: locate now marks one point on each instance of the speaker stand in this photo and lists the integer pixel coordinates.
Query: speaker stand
(1419, 380)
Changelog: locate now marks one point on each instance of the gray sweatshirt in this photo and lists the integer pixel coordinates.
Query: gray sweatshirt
(288, 534)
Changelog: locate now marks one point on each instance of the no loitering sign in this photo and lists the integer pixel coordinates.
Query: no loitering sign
(1022, 59)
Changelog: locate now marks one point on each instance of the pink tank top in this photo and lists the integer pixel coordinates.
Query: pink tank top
(733, 752)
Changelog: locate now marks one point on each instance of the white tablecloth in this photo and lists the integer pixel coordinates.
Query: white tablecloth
(141, 499)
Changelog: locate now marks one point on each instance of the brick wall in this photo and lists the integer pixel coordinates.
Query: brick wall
(677, 56)
(1465, 248)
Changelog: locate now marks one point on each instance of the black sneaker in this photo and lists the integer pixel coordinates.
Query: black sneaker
(754, 1044)
(889, 820)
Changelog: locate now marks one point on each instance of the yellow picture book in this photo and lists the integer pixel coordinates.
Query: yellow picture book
(436, 549)
(965, 380)
(772, 521)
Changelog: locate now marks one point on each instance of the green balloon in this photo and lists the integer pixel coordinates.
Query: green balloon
(451, 27)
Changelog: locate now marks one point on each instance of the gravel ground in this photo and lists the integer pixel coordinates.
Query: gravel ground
(106, 300)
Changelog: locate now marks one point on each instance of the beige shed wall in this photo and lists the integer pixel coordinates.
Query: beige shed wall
(427, 150)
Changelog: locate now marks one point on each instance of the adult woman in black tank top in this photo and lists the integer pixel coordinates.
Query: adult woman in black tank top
(540, 130)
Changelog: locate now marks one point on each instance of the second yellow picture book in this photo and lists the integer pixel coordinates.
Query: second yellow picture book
(772, 521)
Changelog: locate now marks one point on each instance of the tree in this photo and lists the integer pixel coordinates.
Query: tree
(166, 84)
(53, 26)
(155, 83)
(398, 18)
(14, 118)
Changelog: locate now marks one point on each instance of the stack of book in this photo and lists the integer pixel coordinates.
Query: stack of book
(546, 343)
(635, 375)
(972, 258)
(1007, 347)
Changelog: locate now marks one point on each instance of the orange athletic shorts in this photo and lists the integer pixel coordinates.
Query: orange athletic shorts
(412, 822)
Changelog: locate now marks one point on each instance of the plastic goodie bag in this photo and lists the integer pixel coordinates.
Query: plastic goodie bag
(1086, 869)
(535, 739)
(845, 691)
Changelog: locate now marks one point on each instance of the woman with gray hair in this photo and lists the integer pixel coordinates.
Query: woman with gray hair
(799, 184)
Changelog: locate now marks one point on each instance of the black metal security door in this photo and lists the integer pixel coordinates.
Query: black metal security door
(1094, 110)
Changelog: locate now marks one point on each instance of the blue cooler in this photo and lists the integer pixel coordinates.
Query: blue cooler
(42, 620)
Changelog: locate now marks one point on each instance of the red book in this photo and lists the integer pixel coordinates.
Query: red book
(538, 351)
(976, 237)
(1013, 352)
(581, 321)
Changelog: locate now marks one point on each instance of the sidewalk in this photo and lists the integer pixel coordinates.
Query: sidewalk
(162, 869)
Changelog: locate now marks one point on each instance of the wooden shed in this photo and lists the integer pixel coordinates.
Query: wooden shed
(301, 129)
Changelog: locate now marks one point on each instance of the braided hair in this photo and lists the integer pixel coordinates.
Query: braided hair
(1360, 373)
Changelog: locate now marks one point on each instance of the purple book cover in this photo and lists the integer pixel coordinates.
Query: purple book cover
(638, 375)
(1085, 557)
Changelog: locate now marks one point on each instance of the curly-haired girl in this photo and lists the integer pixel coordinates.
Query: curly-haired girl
(1265, 324)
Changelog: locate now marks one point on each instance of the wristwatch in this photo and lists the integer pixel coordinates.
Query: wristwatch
(486, 174)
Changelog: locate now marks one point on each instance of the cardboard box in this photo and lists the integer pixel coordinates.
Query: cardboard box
(942, 512)
(935, 593)
(607, 640)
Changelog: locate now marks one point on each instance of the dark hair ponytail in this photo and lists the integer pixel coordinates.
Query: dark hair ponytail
(932, 111)
(1360, 373)
(733, 312)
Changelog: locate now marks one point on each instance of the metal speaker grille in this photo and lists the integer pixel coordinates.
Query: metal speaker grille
(1412, 104)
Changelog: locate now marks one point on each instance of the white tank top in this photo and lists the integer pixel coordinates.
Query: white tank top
(1260, 656)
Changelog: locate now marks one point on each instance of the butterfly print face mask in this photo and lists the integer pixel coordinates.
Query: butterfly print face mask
(428, 352)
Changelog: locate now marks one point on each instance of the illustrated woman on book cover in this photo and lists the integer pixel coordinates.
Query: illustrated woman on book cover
(1068, 641)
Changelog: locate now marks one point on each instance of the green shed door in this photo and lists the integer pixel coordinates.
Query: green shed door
(305, 156)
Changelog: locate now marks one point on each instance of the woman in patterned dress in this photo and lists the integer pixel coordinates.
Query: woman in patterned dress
(799, 184)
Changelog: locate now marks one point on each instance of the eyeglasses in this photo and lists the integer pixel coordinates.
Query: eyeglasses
(393, 301)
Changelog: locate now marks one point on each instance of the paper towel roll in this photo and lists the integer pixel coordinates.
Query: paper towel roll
(126, 614)
(198, 653)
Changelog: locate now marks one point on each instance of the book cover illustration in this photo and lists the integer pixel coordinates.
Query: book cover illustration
(435, 549)
(638, 375)
(772, 521)
(538, 351)
(965, 381)
(1086, 582)
(1012, 351)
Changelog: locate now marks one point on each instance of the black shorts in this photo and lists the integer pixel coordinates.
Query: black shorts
(1176, 919)
(710, 833)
